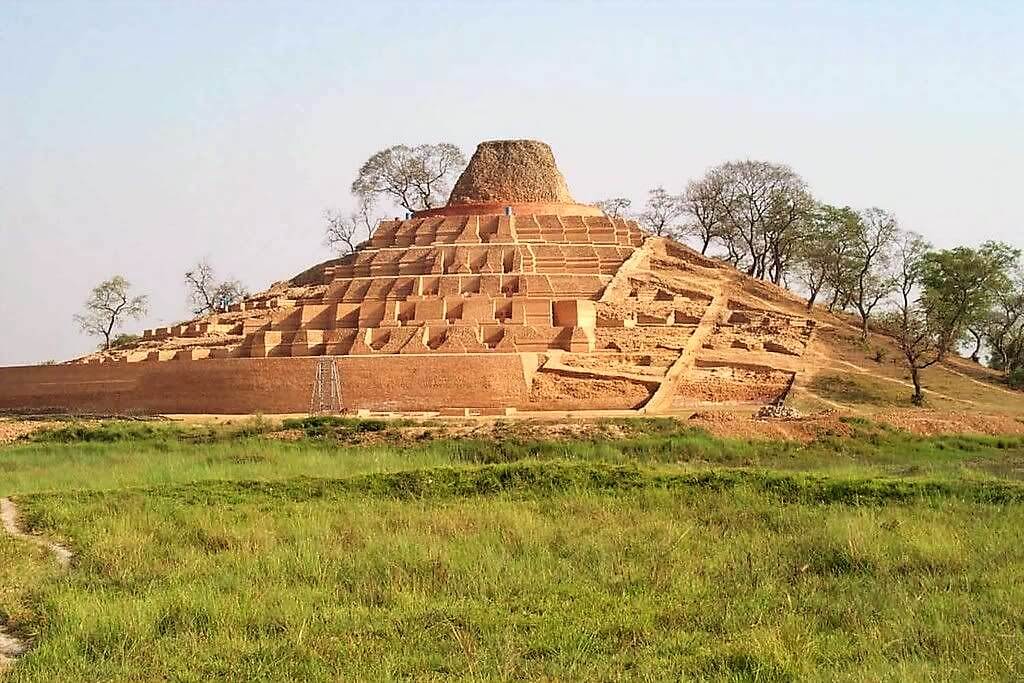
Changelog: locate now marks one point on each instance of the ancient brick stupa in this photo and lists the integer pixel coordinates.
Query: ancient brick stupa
(510, 297)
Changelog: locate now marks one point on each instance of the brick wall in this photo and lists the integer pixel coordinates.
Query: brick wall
(268, 385)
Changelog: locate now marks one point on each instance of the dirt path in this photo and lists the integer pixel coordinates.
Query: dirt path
(9, 519)
(945, 366)
(987, 385)
(12, 647)
(829, 402)
(865, 371)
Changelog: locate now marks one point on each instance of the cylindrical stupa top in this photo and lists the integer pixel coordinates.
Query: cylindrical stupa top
(511, 176)
(513, 172)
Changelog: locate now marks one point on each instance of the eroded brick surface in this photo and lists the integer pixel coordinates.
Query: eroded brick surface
(544, 305)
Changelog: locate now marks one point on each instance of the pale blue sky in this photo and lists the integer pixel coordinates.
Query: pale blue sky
(137, 137)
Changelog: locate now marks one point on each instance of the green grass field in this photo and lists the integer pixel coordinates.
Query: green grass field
(217, 553)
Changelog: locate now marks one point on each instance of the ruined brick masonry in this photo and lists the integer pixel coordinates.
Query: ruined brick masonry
(511, 296)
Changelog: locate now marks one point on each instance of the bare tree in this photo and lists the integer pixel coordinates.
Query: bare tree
(873, 244)
(109, 304)
(616, 207)
(765, 205)
(920, 332)
(346, 232)
(788, 234)
(209, 296)
(661, 212)
(415, 178)
(704, 201)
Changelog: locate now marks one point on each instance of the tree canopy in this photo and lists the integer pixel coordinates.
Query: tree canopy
(614, 207)
(661, 213)
(415, 178)
(206, 294)
(109, 305)
(761, 217)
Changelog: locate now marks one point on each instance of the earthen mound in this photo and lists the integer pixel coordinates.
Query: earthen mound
(467, 308)
(511, 171)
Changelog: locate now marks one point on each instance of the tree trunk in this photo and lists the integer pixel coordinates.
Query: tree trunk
(915, 376)
(106, 334)
(976, 354)
(834, 302)
(1004, 362)
(811, 298)
(863, 326)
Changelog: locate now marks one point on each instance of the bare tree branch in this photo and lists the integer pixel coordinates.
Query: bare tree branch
(209, 296)
(705, 203)
(415, 178)
(109, 304)
(756, 208)
(661, 213)
(344, 233)
(614, 207)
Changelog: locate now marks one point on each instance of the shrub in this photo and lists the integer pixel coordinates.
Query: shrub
(125, 341)
(253, 426)
(847, 389)
(112, 431)
(334, 427)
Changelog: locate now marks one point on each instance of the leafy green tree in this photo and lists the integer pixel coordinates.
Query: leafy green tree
(967, 283)
(823, 254)
(1003, 330)
(109, 305)
(941, 293)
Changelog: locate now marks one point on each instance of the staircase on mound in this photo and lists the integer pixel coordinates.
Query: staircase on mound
(457, 284)
(602, 316)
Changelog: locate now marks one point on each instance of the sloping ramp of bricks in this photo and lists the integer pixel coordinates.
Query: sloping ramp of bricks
(662, 398)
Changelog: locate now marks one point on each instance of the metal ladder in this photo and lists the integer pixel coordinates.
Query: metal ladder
(328, 401)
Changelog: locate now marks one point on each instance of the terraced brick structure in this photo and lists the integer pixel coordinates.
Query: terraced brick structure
(511, 297)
